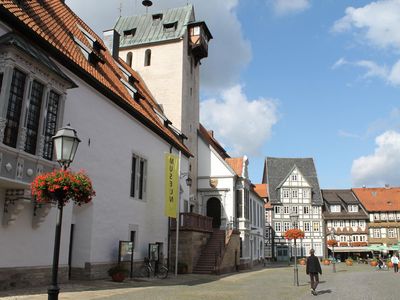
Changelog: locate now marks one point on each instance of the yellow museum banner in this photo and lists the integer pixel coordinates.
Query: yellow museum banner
(171, 184)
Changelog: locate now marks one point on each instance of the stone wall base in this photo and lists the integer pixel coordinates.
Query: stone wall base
(191, 244)
(230, 261)
(94, 271)
(22, 277)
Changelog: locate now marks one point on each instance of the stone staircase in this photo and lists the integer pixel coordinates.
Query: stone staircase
(213, 250)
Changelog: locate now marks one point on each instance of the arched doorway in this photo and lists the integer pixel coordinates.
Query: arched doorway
(214, 211)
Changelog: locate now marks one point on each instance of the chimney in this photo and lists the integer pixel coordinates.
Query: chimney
(211, 133)
(111, 39)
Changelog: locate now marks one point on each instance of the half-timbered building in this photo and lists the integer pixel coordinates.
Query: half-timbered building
(346, 221)
(293, 188)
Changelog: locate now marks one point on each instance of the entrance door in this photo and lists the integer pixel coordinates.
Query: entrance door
(214, 211)
(282, 253)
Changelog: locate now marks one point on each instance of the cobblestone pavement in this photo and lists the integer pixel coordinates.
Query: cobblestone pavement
(353, 283)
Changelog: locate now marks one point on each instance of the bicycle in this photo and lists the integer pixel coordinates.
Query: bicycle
(147, 269)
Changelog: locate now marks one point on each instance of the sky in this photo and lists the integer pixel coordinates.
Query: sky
(296, 78)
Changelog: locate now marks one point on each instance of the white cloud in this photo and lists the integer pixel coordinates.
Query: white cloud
(378, 23)
(373, 69)
(347, 134)
(340, 62)
(284, 7)
(381, 167)
(229, 51)
(243, 125)
(390, 75)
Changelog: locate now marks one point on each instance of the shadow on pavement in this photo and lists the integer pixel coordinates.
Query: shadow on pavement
(129, 283)
(324, 292)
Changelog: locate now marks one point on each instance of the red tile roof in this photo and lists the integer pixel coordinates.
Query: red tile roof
(261, 189)
(52, 25)
(208, 137)
(379, 199)
(236, 163)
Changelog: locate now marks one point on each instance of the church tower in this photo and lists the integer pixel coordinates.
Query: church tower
(166, 48)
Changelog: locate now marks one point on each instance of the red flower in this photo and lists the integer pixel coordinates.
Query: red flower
(332, 243)
(295, 233)
(71, 186)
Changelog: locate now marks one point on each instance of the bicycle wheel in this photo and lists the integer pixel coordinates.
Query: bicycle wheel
(144, 271)
(162, 272)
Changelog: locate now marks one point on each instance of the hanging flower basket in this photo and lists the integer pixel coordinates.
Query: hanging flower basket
(62, 186)
(295, 233)
(332, 243)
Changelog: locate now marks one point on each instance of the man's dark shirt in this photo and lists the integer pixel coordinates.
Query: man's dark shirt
(313, 265)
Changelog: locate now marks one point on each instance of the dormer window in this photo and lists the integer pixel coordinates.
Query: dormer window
(130, 32)
(170, 27)
(96, 45)
(92, 56)
(353, 208)
(157, 18)
(335, 208)
(131, 90)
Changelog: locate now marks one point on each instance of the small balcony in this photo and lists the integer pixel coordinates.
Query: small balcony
(193, 222)
(199, 36)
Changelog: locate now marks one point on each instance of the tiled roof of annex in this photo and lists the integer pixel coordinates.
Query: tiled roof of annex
(54, 26)
(379, 199)
(262, 190)
(208, 137)
(236, 163)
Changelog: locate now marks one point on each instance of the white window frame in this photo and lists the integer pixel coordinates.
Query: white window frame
(295, 193)
(306, 210)
(286, 193)
(278, 226)
(286, 209)
(316, 226)
(335, 208)
(376, 233)
(353, 208)
(307, 226)
(286, 226)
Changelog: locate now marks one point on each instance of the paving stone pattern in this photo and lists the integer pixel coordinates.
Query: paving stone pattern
(273, 282)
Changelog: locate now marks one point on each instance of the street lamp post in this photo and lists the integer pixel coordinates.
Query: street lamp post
(294, 217)
(333, 250)
(65, 144)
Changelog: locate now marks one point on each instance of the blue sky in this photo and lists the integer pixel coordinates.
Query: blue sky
(298, 78)
(330, 114)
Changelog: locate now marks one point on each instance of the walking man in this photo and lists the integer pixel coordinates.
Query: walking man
(395, 262)
(313, 268)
